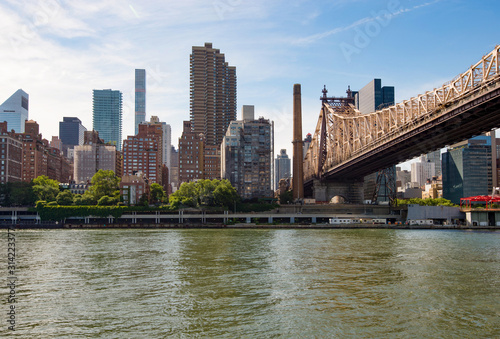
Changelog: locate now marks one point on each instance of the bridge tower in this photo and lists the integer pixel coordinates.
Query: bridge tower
(324, 189)
(385, 186)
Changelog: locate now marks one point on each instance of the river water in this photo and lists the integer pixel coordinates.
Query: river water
(255, 284)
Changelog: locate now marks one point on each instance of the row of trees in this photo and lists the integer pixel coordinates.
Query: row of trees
(425, 202)
(205, 193)
(104, 190)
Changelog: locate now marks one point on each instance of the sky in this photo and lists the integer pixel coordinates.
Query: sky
(59, 51)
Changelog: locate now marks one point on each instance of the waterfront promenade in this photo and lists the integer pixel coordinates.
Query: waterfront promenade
(292, 216)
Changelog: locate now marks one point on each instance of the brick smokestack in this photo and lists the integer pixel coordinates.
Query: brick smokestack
(298, 157)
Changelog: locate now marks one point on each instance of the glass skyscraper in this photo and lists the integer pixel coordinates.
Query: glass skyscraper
(466, 169)
(15, 111)
(374, 97)
(107, 116)
(140, 98)
(71, 132)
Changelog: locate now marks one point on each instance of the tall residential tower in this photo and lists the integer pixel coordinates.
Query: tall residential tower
(213, 93)
(140, 97)
(247, 155)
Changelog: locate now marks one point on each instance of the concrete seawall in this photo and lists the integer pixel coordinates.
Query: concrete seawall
(243, 226)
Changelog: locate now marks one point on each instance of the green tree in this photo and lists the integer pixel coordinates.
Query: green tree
(225, 194)
(143, 200)
(157, 193)
(425, 202)
(104, 182)
(286, 197)
(17, 194)
(86, 199)
(45, 188)
(204, 193)
(77, 200)
(65, 198)
(186, 196)
(107, 201)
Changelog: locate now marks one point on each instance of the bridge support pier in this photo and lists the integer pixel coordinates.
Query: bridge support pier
(350, 190)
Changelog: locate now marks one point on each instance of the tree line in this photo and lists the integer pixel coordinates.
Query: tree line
(104, 190)
(425, 202)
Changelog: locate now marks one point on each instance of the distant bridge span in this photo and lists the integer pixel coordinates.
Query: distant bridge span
(348, 145)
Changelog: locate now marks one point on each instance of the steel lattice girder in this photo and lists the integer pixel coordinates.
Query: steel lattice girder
(350, 133)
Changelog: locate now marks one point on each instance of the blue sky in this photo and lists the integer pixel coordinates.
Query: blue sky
(58, 51)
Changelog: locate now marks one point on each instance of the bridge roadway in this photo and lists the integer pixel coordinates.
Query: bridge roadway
(470, 116)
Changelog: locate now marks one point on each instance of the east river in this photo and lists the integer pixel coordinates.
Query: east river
(253, 284)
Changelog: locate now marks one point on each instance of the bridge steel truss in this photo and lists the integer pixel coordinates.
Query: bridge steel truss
(343, 133)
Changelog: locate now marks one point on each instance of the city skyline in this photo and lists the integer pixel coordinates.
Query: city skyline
(56, 46)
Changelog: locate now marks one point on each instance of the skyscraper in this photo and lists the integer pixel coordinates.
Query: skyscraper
(173, 171)
(35, 152)
(246, 156)
(307, 142)
(466, 169)
(190, 155)
(166, 139)
(434, 157)
(41, 159)
(15, 111)
(213, 93)
(373, 97)
(281, 167)
(12, 155)
(140, 97)
(144, 153)
(71, 133)
(422, 171)
(107, 116)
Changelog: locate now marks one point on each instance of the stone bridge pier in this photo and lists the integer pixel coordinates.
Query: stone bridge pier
(350, 190)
